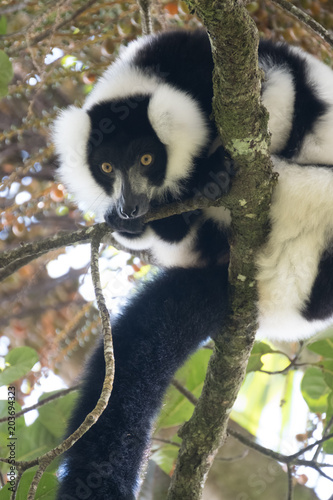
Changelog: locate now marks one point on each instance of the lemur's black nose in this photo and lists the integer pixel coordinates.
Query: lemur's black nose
(129, 212)
(132, 205)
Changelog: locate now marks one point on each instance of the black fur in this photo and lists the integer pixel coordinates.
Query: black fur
(183, 59)
(212, 242)
(320, 303)
(308, 107)
(173, 229)
(153, 336)
(120, 132)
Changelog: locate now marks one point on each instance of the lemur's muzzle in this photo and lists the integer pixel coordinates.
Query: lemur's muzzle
(132, 206)
(128, 213)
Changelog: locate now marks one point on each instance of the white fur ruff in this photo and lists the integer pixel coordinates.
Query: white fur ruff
(302, 228)
(70, 135)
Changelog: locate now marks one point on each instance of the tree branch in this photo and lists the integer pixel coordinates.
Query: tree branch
(185, 392)
(242, 123)
(290, 482)
(12, 260)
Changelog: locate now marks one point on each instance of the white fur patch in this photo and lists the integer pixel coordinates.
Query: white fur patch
(163, 253)
(122, 79)
(289, 326)
(180, 254)
(126, 54)
(278, 97)
(70, 135)
(220, 215)
(319, 75)
(143, 242)
(318, 145)
(302, 227)
(119, 82)
(181, 126)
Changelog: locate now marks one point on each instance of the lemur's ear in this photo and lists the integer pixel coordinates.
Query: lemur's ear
(180, 125)
(70, 133)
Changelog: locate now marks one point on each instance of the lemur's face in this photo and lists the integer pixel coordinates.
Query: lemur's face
(119, 155)
(127, 159)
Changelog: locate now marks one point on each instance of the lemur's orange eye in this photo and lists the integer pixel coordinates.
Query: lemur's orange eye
(106, 167)
(146, 160)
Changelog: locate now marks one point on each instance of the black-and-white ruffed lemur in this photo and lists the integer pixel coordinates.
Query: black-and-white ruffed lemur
(144, 138)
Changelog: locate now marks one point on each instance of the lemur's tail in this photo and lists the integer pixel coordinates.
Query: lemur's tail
(159, 328)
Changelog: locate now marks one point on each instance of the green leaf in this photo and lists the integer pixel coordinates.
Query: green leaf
(6, 73)
(3, 25)
(54, 415)
(327, 367)
(328, 445)
(259, 349)
(315, 390)
(19, 362)
(34, 441)
(46, 489)
(323, 347)
(177, 408)
(165, 457)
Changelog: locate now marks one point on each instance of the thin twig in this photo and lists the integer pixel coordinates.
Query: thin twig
(49, 31)
(166, 441)
(292, 361)
(291, 459)
(292, 365)
(310, 446)
(94, 415)
(325, 432)
(188, 394)
(19, 474)
(42, 465)
(317, 467)
(307, 20)
(290, 482)
(145, 11)
(43, 402)
(37, 248)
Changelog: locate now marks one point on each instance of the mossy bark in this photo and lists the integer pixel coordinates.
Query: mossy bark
(242, 123)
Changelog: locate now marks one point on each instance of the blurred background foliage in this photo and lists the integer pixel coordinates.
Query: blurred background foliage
(51, 53)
